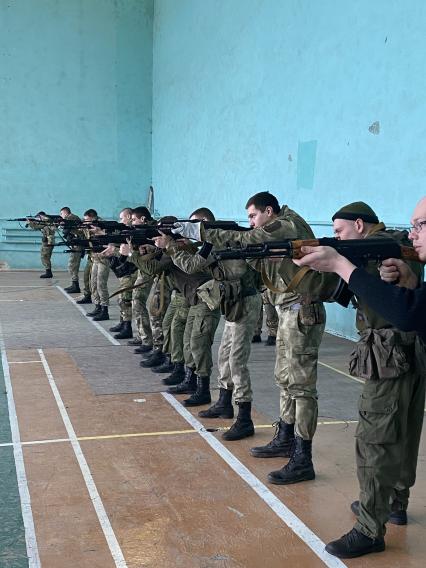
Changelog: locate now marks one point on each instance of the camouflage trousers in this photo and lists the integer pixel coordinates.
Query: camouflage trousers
(271, 318)
(300, 331)
(87, 274)
(387, 444)
(125, 298)
(74, 264)
(99, 281)
(46, 255)
(140, 310)
(234, 351)
(174, 326)
(200, 328)
(157, 303)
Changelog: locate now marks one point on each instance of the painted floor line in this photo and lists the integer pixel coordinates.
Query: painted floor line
(150, 434)
(95, 323)
(27, 286)
(24, 494)
(104, 521)
(23, 362)
(289, 518)
(341, 373)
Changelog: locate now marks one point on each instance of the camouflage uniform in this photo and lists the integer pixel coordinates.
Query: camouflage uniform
(234, 350)
(391, 409)
(174, 323)
(47, 242)
(296, 352)
(87, 274)
(139, 307)
(125, 298)
(158, 300)
(74, 257)
(99, 280)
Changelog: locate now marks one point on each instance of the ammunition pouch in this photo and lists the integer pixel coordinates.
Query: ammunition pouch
(382, 354)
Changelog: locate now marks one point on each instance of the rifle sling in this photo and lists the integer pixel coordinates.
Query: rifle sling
(294, 282)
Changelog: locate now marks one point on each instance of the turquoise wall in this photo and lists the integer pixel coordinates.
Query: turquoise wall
(322, 103)
(76, 99)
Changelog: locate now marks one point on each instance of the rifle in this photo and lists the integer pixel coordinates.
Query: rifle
(49, 219)
(358, 251)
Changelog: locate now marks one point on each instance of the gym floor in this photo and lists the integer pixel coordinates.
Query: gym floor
(103, 468)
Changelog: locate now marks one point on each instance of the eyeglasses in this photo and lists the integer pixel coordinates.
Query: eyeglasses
(417, 227)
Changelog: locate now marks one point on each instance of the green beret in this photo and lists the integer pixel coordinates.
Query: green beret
(357, 210)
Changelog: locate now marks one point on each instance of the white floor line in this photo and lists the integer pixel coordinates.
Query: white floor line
(26, 286)
(289, 518)
(110, 537)
(24, 494)
(341, 373)
(22, 362)
(95, 323)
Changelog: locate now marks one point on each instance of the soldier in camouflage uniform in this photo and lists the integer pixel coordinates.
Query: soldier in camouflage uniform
(234, 288)
(300, 330)
(75, 256)
(143, 285)
(391, 405)
(47, 240)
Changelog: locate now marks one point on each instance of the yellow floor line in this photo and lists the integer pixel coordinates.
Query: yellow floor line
(148, 434)
(341, 372)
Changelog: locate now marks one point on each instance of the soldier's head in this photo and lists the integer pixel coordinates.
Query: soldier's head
(418, 229)
(141, 215)
(64, 212)
(262, 208)
(353, 221)
(125, 216)
(41, 215)
(90, 215)
(202, 214)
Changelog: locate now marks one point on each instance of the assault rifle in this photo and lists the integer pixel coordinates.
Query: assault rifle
(39, 219)
(358, 251)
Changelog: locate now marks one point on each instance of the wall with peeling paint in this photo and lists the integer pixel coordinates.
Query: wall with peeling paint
(76, 99)
(322, 103)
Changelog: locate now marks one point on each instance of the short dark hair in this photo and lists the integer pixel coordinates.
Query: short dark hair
(40, 213)
(91, 213)
(127, 210)
(262, 200)
(203, 213)
(66, 209)
(142, 211)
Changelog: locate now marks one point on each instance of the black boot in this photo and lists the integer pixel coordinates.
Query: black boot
(74, 288)
(143, 348)
(397, 516)
(353, 544)
(201, 395)
(256, 339)
(177, 376)
(166, 366)
(299, 467)
(94, 312)
(243, 427)
(103, 315)
(117, 327)
(154, 360)
(272, 340)
(86, 299)
(135, 341)
(222, 408)
(47, 274)
(126, 331)
(281, 444)
(187, 386)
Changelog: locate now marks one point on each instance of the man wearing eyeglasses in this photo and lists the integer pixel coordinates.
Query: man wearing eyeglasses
(392, 403)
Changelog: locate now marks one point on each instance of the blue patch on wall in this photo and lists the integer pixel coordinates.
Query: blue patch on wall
(306, 157)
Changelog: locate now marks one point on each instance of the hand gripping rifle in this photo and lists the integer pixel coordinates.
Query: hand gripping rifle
(358, 251)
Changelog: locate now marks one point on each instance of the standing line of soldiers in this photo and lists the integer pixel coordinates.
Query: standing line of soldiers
(176, 292)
